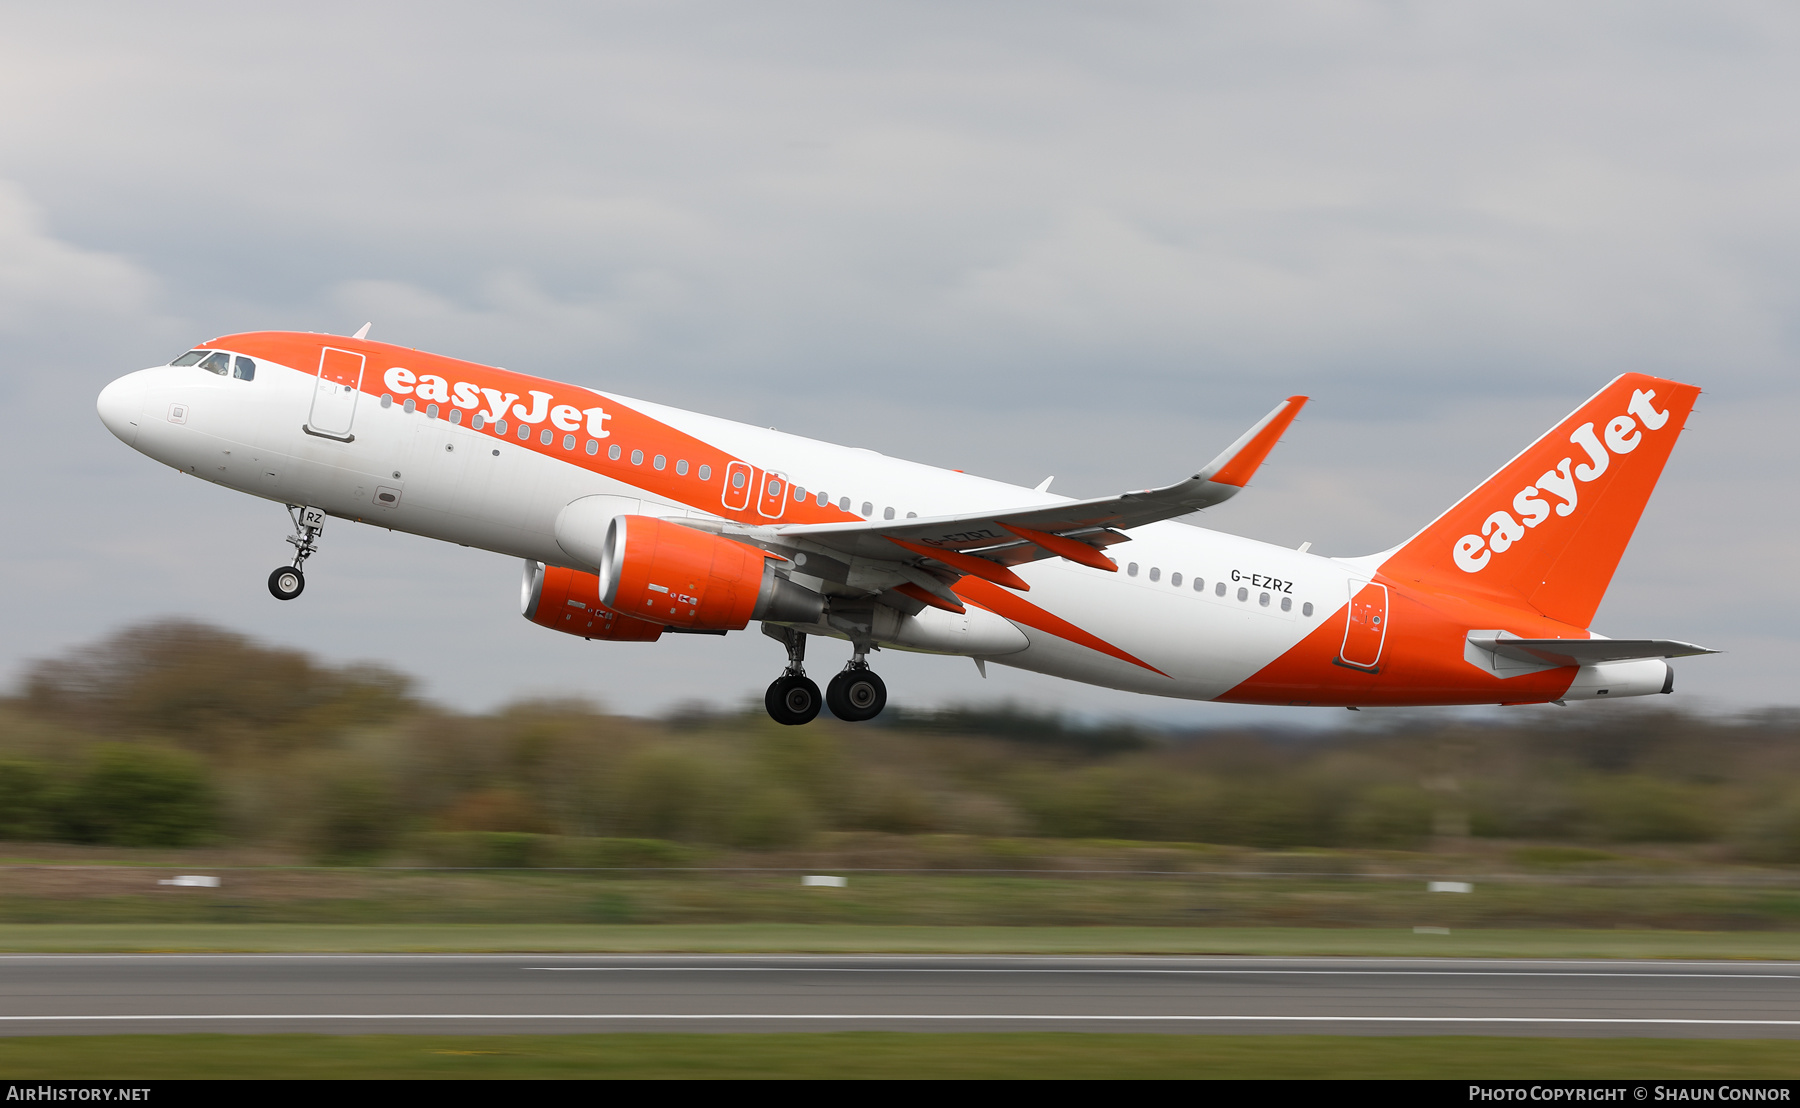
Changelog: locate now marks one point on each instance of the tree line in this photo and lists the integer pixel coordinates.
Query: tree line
(175, 733)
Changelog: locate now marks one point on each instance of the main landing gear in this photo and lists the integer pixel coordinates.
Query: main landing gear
(287, 582)
(854, 695)
(792, 698)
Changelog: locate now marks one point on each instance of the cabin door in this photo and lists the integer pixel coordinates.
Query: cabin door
(334, 394)
(1367, 627)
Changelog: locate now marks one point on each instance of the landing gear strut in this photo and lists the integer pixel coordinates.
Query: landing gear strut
(287, 582)
(792, 698)
(856, 694)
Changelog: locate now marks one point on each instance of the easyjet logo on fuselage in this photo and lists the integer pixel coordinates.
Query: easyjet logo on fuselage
(1503, 530)
(430, 388)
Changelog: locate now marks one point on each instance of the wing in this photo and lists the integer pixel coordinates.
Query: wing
(919, 558)
(1582, 652)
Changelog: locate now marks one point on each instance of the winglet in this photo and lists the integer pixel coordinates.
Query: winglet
(1241, 459)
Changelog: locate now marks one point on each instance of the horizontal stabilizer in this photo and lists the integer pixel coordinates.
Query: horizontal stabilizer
(1581, 652)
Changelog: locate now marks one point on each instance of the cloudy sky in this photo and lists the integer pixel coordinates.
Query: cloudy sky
(1094, 241)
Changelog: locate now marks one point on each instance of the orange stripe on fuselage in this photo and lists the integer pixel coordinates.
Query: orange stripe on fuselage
(625, 426)
(1019, 610)
(1421, 662)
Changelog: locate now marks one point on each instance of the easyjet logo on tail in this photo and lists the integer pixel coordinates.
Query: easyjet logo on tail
(1503, 530)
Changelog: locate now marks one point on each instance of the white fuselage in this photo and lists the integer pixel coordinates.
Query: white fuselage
(410, 472)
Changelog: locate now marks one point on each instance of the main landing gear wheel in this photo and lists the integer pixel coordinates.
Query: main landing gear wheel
(286, 583)
(792, 699)
(856, 694)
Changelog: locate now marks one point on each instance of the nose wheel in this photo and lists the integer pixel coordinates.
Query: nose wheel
(856, 694)
(792, 698)
(287, 582)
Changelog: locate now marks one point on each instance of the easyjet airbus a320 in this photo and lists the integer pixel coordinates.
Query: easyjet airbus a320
(635, 520)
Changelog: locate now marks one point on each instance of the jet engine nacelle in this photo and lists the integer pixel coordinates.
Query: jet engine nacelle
(657, 570)
(568, 600)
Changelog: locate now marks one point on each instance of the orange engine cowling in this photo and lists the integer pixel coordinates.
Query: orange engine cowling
(568, 600)
(657, 570)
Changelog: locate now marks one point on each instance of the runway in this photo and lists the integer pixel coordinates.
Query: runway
(515, 994)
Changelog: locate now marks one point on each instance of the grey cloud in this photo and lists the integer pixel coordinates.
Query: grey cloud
(1015, 239)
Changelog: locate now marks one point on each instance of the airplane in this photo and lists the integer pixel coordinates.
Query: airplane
(635, 520)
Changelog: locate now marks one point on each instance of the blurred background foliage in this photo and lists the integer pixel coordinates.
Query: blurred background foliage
(177, 734)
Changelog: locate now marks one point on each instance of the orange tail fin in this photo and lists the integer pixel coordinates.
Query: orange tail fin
(1547, 531)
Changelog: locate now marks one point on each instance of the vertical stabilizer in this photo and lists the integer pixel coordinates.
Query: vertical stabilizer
(1547, 531)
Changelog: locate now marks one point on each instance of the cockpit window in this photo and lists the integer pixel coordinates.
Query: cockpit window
(217, 362)
(189, 358)
(243, 369)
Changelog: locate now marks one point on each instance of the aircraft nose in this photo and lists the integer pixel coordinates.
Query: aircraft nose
(121, 406)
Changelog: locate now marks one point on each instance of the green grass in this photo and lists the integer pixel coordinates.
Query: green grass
(884, 1055)
(81, 895)
(846, 938)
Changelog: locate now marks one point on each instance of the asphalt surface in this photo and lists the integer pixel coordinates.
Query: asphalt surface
(514, 994)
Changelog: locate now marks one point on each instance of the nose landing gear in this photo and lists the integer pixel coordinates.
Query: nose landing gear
(792, 698)
(287, 582)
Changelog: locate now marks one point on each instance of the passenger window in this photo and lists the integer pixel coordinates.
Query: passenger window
(824, 499)
(799, 494)
(1199, 584)
(1263, 600)
(593, 447)
(844, 503)
(189, 358)
(524, 432)
(243, 369)
(887, 513)
(409, 406)
(431, 411)
(499, 424)
(546, 437)
(737, 479)
(1219, 589)
(659, 461)
(637, 457)
(217, 363)
(1287, 603)
(1131, 569)
(612, 452)
(681, 468)
(477, 421)
(868, 509)
(1306, 608)
(1243, 594)
(387, 401)
(568, 442)
(456, 416)
(1175, 579)
(912, 515)
(705, 473)
(1155, 574)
